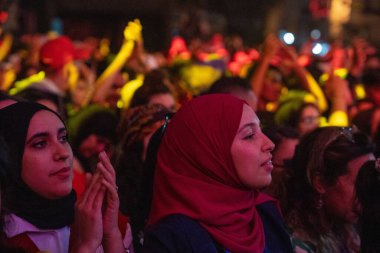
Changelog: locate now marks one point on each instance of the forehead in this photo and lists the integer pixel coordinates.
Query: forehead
(248, 116)
(44, 121)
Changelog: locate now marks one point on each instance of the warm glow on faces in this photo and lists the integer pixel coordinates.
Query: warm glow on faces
(251, 152)
(48, 158)
(340, 200)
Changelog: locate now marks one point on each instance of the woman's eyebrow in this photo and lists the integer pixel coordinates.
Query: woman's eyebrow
(248, 125)
(44, 134)
(37, 135)
(61, 130)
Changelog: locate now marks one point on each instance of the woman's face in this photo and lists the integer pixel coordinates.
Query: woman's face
(48, 158)
(309, 120)
(251, 152)
(340, 201)
(272, 86)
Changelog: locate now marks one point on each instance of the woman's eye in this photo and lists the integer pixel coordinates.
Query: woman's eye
(64, 138)
(39, 144)
(248, 137)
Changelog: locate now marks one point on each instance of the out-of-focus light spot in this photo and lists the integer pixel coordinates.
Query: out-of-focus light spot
(288, 38)
(317, 49)
(360, 91)
(315, 34)
(270, 107)
(303, 60)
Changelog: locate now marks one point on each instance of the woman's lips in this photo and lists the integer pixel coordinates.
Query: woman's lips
(268, 165)
(62, 173)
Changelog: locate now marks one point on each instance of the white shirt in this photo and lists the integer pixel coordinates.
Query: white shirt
(50, 240)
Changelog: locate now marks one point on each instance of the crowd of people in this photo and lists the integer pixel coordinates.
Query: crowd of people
(210, 146)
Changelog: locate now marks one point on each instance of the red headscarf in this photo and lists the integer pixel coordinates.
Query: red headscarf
(196, 176)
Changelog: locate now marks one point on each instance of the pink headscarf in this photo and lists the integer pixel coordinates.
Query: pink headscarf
(196, 176)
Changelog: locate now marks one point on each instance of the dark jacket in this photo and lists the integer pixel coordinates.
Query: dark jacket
(180, 234)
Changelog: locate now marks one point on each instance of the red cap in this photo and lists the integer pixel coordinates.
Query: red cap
(57, 52)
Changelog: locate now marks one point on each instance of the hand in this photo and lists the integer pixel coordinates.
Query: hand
(338, 88)
(290, 53)
(88, 228)
(271, 46)
(111, 205)
(133, 31)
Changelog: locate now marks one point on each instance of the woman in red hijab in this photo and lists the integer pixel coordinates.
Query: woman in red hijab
(212, 162)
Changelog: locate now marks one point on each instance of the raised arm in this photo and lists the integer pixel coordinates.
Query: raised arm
(270, 48)
(338, 90)
(306, 80)
(132, 34)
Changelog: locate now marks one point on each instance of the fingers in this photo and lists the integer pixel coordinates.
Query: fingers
(95, 198)
(106, 169)
(111, 191)
(109, 180)
(108, 175)
(94, 194)
(89, 184)
(103, 158)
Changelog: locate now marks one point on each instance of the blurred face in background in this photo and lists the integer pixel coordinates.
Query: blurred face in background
(309, 119)
(165, 99)
(272, 86)
(114, 94)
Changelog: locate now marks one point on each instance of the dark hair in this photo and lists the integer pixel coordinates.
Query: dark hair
(34, 95)
(371, 77)
(229, 85)
(4, 96)
(4, 163)
(135, 175)
(277, 134)
(289, 112)
(324, 152)
(154, 83)
(91, 120)
(136, 124)
(368, 193)
(144, 200)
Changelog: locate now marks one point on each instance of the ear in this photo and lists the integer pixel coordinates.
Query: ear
(318, 185)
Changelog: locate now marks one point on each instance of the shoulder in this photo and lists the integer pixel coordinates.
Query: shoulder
(178, 233)
(277, 238)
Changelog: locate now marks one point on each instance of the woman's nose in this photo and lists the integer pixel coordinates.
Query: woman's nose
(268, 144)
(62, 151)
